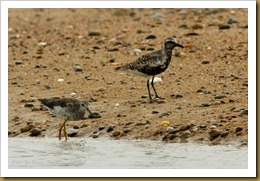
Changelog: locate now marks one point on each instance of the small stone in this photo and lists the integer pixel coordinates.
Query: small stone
(116, 133)
(27, 128)
(95, 135)
(231, 21)
(214, 133)
(72, 132)
(213, 127)
(101, 128)
(94, 33)
(60, 80)
(48, 87)
(205, 104)
(157, 16)
(176, 95)
(186, 134)
(155, 112)
(243, 112)
(218, 96)
(197, 26)
(164, 114)
(110, 128)
(42, 44)
(151, 37)
(203, 126)
(102, 89)
(127, 130)
(165, 123)
(183, 26)
(205, 61)
(28, 105)
(18, 62)
(77, 68)
(238, 129)
(75, 127)
(35, 132)
(224, 134)
(224, 27)
(184, 127)
(94, 115)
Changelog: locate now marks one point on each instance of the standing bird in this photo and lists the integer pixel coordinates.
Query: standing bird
(153, 63)
(69, 109)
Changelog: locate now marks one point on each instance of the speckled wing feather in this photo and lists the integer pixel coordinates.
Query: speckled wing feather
(65, 102)
(148, 64)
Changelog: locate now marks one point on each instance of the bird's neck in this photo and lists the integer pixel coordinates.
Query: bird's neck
(167, 55)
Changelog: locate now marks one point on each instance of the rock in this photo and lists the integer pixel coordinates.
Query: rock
(205, 104)
(203, 126)
(127, 130)
(243, 112)
(214, 133)
(183, 26)
(116, 133)
(72, 132)
(231, 21)
(94, 115)
(164, 114)
(213, 127)
(176, 95)
(101, 128)
(184, 127)
(238, 129)
(197, 26)
(28, 105)
(18, 62)
(218, 96)
(224, 134)
(155, 112)
(95, 135)
(205, 61)
(94, 33)
(192, 34)
(186, 134)
(142, 123)
(75, 127)
(42, 44)
(77, 68)
(101, 89)
(48, 87)
(35, 132)
(224, 27)
(157, 16)
(151, 37)
(165, 123)
(110, 128)
(27, 128)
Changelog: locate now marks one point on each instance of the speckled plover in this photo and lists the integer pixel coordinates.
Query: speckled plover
(68, 109)
(153, 63)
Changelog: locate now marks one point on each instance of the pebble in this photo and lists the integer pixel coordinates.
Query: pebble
(218, 96)
(203, 126)
(151, 37)
(165, 123)
(142, 123)
(214, 133)
(77, 68)
(213, 127)
(231, 21)
(184, 127)
(205, 104)
(42, 44)
(94, 115)
(18, 62)
(164, 114)
(224, 27)
(94, 33)
(35, 132)
(238, 129)
(102, 89)
(27, 128)
(155, 112)
(186, 134)
(127, 130)
(136, 52)
(183, 26)
(101, 128)
(116, 133)
(75, 127)
(72, 132)
(224, 134)
(48, 87)
(176, 95)
(60, 80)
(110, 128)
(95, 135)
(197, 26)
(243, 112)
(157, 16)
(28, 105)
(205, 61)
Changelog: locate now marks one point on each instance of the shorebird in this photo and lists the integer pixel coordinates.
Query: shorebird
(69, 109)
(153, 63)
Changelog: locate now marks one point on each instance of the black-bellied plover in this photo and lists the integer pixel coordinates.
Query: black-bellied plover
(153, 63)
(68, 109)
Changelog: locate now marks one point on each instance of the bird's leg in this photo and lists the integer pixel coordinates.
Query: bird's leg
(65, 132)
(156, 95)
(60, 129)
(148, 87)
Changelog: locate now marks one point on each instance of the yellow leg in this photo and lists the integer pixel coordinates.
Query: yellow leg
(65, 132)
(60, 129)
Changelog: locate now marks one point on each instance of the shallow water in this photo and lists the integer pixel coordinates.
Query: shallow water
(100, 153)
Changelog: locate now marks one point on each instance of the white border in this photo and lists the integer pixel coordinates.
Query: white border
(250, 172)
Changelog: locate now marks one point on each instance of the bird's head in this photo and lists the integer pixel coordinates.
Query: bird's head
(84, 104)
(170, 43)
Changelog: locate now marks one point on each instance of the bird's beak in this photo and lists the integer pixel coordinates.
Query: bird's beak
(179, 45)
(88, 109)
